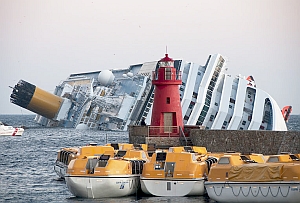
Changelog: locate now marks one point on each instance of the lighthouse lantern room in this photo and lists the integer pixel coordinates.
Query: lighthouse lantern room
(166, 112)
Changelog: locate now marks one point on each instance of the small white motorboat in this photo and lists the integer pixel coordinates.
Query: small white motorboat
(9, 130)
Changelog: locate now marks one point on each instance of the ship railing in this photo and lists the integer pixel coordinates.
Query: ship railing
(163, 131)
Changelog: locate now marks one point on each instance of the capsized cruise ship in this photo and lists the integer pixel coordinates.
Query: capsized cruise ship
(114, 99)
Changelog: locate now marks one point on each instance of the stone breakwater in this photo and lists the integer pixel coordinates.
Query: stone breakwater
(244, 141)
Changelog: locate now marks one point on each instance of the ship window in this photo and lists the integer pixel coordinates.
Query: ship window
(195, 94)
(201, 119)
(293, 157)
(121, 153)
(230, 106)
(244, 122)
(232, 101)
(225, 123)
(159, 166)
(273, 159)
(186, 118)
(102, 163)
(224, 160)
(161, 156)
(207, 101)
(168, 74)
(249, 118)
(115, 146)
(205, 108)
(168, 100)
(241, 128)
(104, 157)
(216, 104)
(203, 113)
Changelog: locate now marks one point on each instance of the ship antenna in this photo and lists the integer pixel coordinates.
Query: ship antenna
(166, 49)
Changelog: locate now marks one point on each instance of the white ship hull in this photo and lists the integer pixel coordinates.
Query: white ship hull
(272, 192)
(178, 188)
(99, 187)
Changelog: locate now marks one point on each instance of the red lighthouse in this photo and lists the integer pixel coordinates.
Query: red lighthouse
(166, 112)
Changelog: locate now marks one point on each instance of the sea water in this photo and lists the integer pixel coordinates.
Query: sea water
(26, 162)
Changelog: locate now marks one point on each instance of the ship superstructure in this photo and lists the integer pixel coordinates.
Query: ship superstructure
(114, 99)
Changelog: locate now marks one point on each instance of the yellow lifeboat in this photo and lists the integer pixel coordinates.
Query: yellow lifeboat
(181, 171)
(255, 178)
(106, 175)
(65, 155)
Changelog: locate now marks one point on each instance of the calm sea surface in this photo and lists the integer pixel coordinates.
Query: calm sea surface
(26, 162)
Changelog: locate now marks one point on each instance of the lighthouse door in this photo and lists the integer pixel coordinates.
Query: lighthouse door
(168, 122)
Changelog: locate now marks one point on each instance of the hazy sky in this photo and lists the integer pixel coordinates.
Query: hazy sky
(43, 42)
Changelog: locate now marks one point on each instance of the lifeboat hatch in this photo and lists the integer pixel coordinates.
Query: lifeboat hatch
(103, 160)
(120, 153)
(90, 165)
(169, 169)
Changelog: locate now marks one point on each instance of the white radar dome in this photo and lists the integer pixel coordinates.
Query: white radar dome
(130, 74)
(82, 126)
(106, 77)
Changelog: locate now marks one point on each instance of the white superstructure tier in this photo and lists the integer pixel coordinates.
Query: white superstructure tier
(209, 97)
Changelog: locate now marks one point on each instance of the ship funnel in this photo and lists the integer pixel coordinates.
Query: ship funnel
(34, 99)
